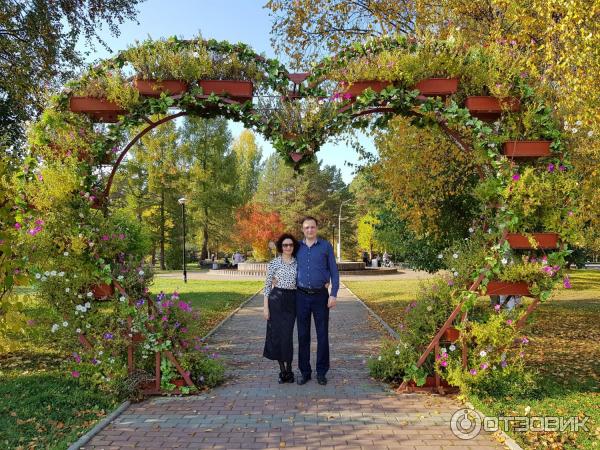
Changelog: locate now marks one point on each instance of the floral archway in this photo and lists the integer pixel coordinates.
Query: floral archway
(76, 250)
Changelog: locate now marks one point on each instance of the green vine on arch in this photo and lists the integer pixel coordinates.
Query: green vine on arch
(61, 230)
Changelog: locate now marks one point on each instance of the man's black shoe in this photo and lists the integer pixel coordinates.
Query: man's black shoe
(303, 379)
(321, 380)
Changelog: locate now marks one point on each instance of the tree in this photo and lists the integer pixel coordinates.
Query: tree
(37, 51)
(366, 234)
(306, 29)
(248, 155)
(255, 226)
(211, 182)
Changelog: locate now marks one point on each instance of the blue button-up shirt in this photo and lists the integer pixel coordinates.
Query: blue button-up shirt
(316, 266)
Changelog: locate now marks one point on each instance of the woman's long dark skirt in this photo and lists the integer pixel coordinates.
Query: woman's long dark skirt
(279, 344)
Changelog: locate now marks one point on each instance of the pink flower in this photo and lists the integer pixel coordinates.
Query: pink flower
(121, 236)
(17, 225)
(497, 308)
(75, 374)
(567, 282)
(570, 213)
(165, 318)
(444, 363)
(484, 366)
(550, 167)
(524, 340)
(473, 372)
(516, 177)
(105, 237)
(39, 222)
(509, 322)
(562, 168)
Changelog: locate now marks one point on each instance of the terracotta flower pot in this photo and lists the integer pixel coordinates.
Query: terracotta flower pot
(103, 291)
(431, 87)
(544, 240)
(507, 288)
(490, 108)
(356, 88)
(526, 149)
(451, 335)
(99, 109)
(153, 88)
(236, 89)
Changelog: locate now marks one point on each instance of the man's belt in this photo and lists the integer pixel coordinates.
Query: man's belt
(311, 291)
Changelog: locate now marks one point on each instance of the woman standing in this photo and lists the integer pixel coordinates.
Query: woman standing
(279, 308)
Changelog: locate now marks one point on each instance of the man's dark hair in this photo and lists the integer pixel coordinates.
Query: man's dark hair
(283, 237)
(305, 218)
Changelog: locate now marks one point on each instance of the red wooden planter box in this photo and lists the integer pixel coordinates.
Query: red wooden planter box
(437, 86)
(153, 88)
(236, 89)
(544, 240)
(451, 335)
(490, 108)
(99, 109)
(356, 88)
(103, 291)
(507, 288)
(429, 383)
(526, 149)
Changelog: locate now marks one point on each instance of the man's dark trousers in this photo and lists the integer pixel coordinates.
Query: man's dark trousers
(317, 305)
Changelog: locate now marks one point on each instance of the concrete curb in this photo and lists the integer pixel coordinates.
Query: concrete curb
(508, 441)
(87, 437)
(211, 332)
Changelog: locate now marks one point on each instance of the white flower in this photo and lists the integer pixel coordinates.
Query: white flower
(122, 299)
(455, 255)
(67, 290)
(79, 296)
(55, 328)
(66, 253)
(61, 274)
(455, 274)
(87, 325)
(471, 230)
(590, 133)
(47, 273)
(397, 352)
(578, 123)
(440, 256)
(120, 278)
(65, 324)
(91, 244)
(527, 409)
(482, 353)
(89, 294)
(452, 347)
(80, 235)
(379, 358)
(443, 350)
(574, 130)
(504, 261)
(490, 231)
(88, 305)
(429, 308)
(503, 356)
(78, 330)
(141, 273)
(100, 353)
(38, 276)
(44, 278)
(53, 273)
(81, 215)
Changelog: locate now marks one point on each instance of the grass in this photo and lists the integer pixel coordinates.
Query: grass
(41, 406)
(564, 351)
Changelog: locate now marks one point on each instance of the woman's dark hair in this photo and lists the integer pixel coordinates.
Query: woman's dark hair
(283, 237)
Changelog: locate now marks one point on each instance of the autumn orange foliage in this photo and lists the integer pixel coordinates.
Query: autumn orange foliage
(255, 226)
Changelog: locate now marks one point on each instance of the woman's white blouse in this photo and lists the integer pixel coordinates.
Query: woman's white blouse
(285, 273)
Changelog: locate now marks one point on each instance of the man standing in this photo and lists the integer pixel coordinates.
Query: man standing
(316, 268)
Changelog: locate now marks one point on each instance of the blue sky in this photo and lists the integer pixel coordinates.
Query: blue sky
(233, 20)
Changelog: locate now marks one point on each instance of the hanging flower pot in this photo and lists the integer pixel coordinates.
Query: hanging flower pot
(296, 156)
(545, 241)
(357, 87)
(491, 108)
(240, 90)
(508, 288)
(526, 149)
(451, 335)
(153, 88)
(103, 291)
(431, 87)
(99, 109)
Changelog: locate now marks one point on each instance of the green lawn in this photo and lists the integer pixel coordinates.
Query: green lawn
(564, 349)
(41, 406)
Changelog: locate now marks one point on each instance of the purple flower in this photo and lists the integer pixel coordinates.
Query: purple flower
(75, 374)
(105, 237)
(524, 340)
(484, 366)
(503, 363)
(562, 168)
(108, 336)
(516, 177)
(550, 167)
(17, 225)
(94, 361)
(567, 282)
(139, 303)
(164, 318)
(76, 357)
(473, 372)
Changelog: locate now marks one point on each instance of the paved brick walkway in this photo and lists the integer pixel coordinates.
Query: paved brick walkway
(252, 411)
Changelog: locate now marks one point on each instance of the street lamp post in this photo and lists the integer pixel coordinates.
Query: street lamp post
(182, 202)
(339, 243)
